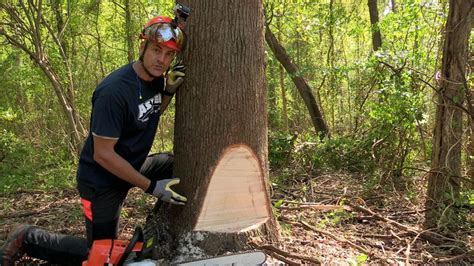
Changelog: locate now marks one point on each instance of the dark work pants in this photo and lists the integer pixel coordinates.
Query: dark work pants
(102, 206)
(101, 210)
(55, 248)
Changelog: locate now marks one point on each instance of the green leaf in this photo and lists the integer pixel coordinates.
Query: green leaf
(362, 258)
(278, 203)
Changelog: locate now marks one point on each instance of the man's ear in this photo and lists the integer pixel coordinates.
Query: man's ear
(142, 46)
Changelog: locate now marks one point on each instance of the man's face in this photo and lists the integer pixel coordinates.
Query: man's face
(157, 58)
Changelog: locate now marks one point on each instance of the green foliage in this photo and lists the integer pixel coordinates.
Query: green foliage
(285, 229)
(280, 146)
(25, 165)
(361, 258)
(336, 217)
(341, 153)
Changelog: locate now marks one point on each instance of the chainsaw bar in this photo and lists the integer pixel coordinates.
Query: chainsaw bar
(244, 258)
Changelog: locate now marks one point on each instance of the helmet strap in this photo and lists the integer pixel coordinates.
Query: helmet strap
(141, 61)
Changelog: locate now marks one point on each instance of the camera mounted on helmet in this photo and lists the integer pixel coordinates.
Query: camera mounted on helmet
(180, 12)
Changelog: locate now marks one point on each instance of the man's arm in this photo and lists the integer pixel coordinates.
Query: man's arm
(105, 156)
(164, 103)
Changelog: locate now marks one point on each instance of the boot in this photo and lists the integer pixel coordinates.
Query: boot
(14, 246)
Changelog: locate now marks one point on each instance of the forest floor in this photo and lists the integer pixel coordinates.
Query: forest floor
(324, 219)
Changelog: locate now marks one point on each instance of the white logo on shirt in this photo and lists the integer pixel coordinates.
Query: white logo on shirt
(149, 107)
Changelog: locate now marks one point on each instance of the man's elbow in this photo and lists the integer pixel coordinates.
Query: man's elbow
(100, 158)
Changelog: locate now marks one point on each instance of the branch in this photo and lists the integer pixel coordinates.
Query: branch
(426, 235)
(285, 253)
(119, 5)
(16, 43)
(468, 254)
(339, 239)
(56, 40)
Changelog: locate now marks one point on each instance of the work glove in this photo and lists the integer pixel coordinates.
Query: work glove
(174, 78)
(161, 189)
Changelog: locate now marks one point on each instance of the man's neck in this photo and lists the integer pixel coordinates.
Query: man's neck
(141, 72)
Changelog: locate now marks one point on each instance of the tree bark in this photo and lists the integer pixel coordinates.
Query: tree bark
(129, 31)
(305, 91)
(374, 21)
(283, 98)
(221, 105)
(444, 178)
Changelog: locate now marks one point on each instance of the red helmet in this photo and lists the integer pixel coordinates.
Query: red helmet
(164, 30)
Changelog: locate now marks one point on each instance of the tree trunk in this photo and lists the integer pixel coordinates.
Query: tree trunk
(129, 31)
(374, 21)
(283, 98)
(305, 91)
(221, 151)
(470, 153)
(444, 178)
(470, 146)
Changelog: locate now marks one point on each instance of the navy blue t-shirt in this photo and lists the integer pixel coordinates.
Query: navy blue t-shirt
(127, 109)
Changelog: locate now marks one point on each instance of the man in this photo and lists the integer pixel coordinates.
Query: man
(126, 108)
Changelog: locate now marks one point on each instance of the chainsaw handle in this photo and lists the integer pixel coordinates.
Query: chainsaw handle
(137, 236)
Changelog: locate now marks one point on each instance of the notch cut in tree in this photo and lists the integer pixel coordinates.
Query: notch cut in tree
(236, 198)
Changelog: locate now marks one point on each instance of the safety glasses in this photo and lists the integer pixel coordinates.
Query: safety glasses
(165, 33)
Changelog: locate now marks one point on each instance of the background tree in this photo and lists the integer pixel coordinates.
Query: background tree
(444, 179)
(374, 20)
(28, 27)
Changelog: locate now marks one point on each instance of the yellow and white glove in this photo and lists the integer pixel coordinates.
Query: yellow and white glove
(161, 189)
(174, 78)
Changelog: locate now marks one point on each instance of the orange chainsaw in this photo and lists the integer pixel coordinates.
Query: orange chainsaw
(122, 252)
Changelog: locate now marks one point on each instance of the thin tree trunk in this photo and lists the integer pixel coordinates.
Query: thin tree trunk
(28, 37)
(470, 154)
(393, 6)
(283, 98)
(374, 20)
(99, 41)
(305, 91)
(129, 31)
(444, 178)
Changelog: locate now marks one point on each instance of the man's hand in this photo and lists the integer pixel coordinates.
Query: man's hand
(161, 189)
(174, 78)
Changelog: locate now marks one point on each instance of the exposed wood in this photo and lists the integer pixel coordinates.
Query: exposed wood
(236, 199)
(304, 89)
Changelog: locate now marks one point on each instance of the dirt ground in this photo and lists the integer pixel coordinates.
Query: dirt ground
(323, 219)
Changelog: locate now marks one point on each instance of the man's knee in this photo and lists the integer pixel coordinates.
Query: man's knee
(158, 166)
